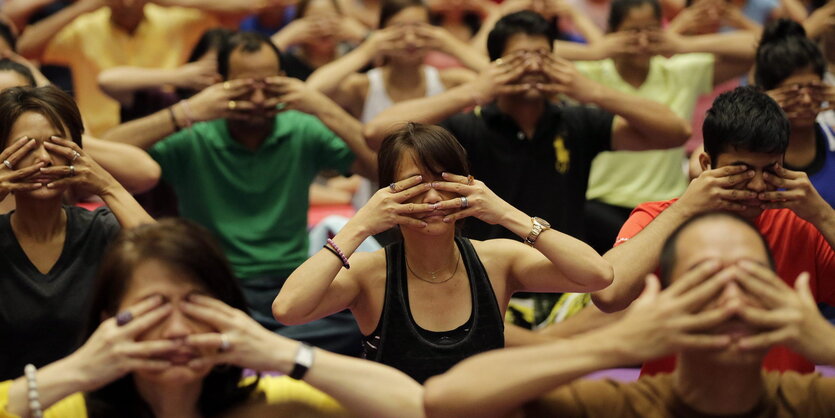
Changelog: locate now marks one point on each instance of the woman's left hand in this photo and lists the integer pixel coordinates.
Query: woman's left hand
(81, 171)
(476, 199)
(239, 341)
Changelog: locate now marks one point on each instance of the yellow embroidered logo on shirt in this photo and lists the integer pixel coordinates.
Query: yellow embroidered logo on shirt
(562, 154)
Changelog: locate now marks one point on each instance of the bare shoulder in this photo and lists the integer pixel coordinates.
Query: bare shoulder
(357, 83)
(368, 268)
(452, 77)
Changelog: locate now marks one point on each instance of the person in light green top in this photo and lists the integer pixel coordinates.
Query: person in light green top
(245, 174)
(640, 58)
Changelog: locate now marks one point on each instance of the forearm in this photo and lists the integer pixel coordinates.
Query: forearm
(55, 381)
(826, 225)
(635, 258)
(216, 6)
(739, 45)
(499, 382)
(657, 124)
(351, 131)
(147, 131)
(471, 57)
(590, 32)
(131, 166)
(127, 210)
(428, 110)
(19, 11)
(327, 78)
(569, 258)
(794, 10)
(381, 392)
(305, 289)
(34, 40)
(574, 51)
(121, 82)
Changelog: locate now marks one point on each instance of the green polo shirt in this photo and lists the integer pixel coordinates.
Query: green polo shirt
(255, 202)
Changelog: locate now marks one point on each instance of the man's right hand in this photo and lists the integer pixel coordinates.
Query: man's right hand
(714, 190)
(498, 79)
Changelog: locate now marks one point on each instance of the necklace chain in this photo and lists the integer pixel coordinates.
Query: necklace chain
(457, 263)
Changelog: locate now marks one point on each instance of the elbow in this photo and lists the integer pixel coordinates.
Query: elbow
(603, 277)
(373, 135)
(147, 179)
(283, 313)
(607, 301)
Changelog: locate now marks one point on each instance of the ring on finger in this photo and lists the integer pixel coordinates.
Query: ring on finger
(225, 345)
(75, 154)
(8, 164)
(231, 105)
(123, 318)
(227, 85)
(464, 202)
(393, 187)
(72, 170)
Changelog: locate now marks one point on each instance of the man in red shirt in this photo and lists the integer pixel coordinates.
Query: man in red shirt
(746, 135)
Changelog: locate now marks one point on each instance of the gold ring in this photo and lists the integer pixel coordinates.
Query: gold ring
(227, 85)
(499, 61)
(231, 105)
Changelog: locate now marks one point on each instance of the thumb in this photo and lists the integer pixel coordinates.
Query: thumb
(652, 287)
(801, 285)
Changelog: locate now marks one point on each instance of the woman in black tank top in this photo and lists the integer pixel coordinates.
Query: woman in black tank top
(432, 299)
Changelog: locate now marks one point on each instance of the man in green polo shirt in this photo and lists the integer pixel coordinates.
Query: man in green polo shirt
(247, 178)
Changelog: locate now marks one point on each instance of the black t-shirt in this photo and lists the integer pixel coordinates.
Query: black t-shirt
(544, 176)
(42, 315)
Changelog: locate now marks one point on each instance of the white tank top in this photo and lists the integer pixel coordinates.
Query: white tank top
(378, 100)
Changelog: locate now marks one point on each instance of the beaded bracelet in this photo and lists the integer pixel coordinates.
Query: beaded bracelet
(35, 409)
(332, 247)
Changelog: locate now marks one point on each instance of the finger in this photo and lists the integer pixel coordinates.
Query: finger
(26, 171)
(652, 287)
(208, 341)
(460, 215)
(24, 187)
(735, 178)
(700, 341)
(513, 89)
(695, 276)
(62, 150)
(409, 208)
(454, 203)
(763, 273)
(411, 192)
(58, 170)
(728, 170)
(141, 323)
(210, 302)
(456, 178)
(705, 320)
(406, 183)
(18, 150)
(144, 306)
(152, 348)
(409, 221)
(780, 196)
(765, 318)
(765, 340)
(148, 365)
(551, 88)
(707, 289)
(65, 143)
(237, 87)
(217, 319)
(801, 285)
(457, 188)
(736, 194)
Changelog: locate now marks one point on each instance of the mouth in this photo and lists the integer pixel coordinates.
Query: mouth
(180, 357)
(436, 214)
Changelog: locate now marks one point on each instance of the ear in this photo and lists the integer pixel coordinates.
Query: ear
(704, 161)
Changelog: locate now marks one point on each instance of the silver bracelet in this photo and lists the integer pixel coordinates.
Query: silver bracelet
(35, 409)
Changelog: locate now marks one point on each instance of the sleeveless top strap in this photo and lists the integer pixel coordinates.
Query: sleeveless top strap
(434, 84)
(376, 99)
(401, 343)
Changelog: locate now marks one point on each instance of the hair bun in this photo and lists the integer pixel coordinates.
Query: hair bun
(782, 29)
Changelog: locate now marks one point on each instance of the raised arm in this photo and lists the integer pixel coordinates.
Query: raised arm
(211, 103)
(734, 51)
(295, 94)
(499, 382)
(493, 80)
(131, 166)
(639, 124)
(19, 11)
(320, 286)
(35, 38)
(87, 176)
(638, 255)
(555, 262)
(121, 83)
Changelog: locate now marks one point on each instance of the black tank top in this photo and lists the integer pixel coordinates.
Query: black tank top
(401, 343)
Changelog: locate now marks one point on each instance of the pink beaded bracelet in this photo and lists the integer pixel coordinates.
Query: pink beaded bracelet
(332, 247)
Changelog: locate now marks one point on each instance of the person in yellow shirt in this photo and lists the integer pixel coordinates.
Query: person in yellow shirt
(93, 35)
(172, 339)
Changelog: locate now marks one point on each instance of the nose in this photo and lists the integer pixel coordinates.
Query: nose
(258, 97)
(432, 196)
(42, 155)
(732, 293)
(177, 325)
(757, 183)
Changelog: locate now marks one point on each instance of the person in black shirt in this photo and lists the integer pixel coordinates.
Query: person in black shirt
(534, 153)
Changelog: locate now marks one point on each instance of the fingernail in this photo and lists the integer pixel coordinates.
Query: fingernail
(446, 219)
(444, 174)
(432, 185)
(419, 177)
(435, 206)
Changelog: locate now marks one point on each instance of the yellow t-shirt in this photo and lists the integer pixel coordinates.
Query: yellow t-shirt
(91, 43)
(274, 396)
(629, 178)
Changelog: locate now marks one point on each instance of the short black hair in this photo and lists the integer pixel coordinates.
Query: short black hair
(9, 65)
(8, 35)
(211, 40)
(526, 22)
(784, 49)
(746, 119)
(389, 8)
(667, 261)
(246, 42)
(621, 8)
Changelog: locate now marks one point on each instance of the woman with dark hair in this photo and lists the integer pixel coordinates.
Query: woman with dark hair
(401, 43)
(432, 299)
(169, 337)
(791, 68)
(49, 251)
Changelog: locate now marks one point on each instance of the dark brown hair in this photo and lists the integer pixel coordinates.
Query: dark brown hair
(301, 8)
(389, 8)
(432, 146)
(189, 249)
(55, 105)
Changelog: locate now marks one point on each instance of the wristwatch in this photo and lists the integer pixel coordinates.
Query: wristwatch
(304, 359)
(539, 225)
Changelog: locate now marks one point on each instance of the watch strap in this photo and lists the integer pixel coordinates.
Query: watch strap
(303, 362)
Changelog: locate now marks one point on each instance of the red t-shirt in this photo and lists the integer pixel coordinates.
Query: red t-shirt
(796, 245)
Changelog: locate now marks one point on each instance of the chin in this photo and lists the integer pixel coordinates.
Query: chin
(434, 226)
(173, 375)
(43, 193)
